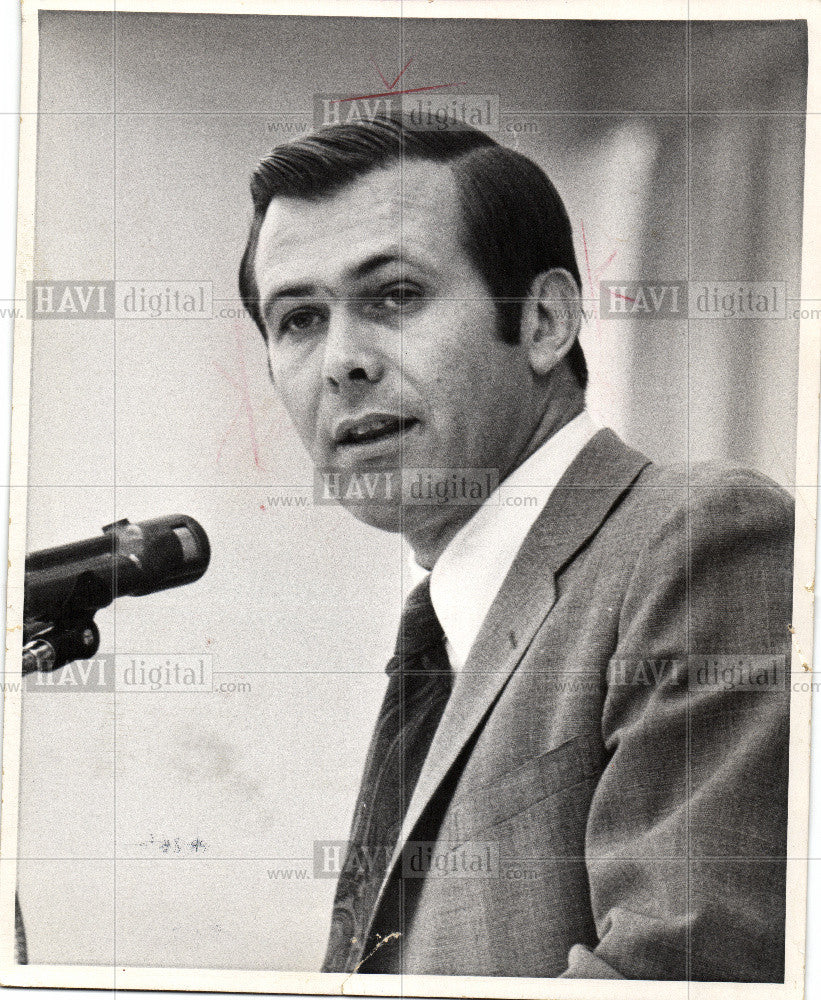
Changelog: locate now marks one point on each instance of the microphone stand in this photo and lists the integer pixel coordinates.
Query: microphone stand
(48, 646)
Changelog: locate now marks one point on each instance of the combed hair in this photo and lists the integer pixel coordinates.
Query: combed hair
(513, 222)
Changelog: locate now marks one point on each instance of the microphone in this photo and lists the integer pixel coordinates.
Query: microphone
(66, 585)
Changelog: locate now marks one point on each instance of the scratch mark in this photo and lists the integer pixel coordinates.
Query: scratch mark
(388, 937)
(804, 662)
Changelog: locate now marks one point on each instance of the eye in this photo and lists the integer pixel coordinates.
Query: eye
(301, 321)
(400, 297)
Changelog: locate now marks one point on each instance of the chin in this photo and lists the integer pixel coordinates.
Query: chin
(385, 516)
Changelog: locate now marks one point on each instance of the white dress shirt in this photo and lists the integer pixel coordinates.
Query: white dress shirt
(469, 573)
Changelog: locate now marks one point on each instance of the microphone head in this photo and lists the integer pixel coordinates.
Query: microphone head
(166, 551)
(75, 580)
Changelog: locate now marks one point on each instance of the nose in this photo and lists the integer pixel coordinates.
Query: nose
(352, 359)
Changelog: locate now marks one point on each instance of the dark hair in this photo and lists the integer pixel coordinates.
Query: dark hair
(514, 224)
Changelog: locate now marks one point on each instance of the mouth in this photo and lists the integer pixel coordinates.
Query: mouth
(372, 428)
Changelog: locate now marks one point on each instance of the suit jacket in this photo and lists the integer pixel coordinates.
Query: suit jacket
(606, 794)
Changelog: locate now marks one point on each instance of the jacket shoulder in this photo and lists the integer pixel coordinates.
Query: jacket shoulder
(707, 497)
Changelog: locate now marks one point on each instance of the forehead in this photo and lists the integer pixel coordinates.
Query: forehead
(411, 207)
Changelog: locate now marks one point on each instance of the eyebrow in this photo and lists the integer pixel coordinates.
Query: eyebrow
(288, 292)
(374, 263)
(390, 257)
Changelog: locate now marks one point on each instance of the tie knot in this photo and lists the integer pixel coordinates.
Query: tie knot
(419, 628)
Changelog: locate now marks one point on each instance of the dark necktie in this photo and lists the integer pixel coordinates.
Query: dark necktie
(418, 688)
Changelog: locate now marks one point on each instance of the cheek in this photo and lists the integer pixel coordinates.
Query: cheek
(476, 397)
(298, 388)
(456, 362)
(462, 380)
(456, 396)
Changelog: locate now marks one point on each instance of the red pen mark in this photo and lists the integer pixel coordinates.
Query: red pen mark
(626, 297)
(262, 506)
(601, 270)
(593, 278)
(390, 86)
(244, 408)
(379, 71)
(395, 93)
(590, 280)
(390, 92)
(587, 257)
(586, 254)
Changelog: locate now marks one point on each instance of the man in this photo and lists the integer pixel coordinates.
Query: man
(589, 695)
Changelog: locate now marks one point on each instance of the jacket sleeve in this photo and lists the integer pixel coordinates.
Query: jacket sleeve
(686, 834)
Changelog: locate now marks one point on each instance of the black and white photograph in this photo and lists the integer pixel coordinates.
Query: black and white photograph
(412, 499)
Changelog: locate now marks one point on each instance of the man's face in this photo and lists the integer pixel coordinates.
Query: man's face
(382, 337)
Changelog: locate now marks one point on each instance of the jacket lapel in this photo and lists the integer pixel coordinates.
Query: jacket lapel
(581, 501)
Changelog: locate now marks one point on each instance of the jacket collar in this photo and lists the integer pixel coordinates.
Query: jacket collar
(470, 572)
(581, 502)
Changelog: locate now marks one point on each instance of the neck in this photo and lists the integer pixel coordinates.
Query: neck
(429, 541)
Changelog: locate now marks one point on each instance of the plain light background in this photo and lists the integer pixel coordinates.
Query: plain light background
(298, 600)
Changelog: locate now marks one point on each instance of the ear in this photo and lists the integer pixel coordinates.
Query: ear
(551, 319)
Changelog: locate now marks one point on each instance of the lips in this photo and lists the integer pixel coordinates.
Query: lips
(371, 427)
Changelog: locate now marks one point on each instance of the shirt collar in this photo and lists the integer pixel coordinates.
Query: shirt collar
(470, 571)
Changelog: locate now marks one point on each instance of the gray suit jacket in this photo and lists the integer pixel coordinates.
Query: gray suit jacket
(614, 753)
